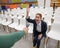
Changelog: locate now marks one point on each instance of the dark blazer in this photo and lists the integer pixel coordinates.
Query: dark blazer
(43, 27)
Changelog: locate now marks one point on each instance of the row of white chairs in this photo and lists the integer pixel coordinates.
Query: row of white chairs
(55, 28)
(47, 15)
(33, 11)
(14, 22)
(11, 22)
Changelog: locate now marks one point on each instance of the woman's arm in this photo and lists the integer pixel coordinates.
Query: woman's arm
(27, 15)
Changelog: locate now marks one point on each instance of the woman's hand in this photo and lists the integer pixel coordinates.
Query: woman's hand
(28, 9)
(26, 30)
(39, 36)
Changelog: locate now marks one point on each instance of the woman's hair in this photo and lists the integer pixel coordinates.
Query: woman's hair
(39, 14)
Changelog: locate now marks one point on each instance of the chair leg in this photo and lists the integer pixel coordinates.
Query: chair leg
(15, 30)
(0, 27)
(9, 29)
(58, 44)
(45, 42)
(25, 36)
(32, 37)
(3, 28)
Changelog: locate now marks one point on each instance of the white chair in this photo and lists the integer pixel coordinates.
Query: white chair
(3, 18)
(47, 19)
(30, 28)
(24, 12)
(54, 33)
(0, 18)
(32, 13)
(57, 18)
(20, 12)
(49, 11)
(19, 17)
(9, 21)
(15, 22)
(13, 12)
(21, 25)
(57, 10)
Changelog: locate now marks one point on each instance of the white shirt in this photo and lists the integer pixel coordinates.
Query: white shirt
(39, 27)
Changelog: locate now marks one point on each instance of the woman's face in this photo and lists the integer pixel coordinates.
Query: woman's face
(37, 18)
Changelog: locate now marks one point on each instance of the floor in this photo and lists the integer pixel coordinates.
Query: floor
(27, 43)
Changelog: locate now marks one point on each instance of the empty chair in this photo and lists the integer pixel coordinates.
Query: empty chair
(9, 21)
(30, 28)
(57, 10)
(0, 20)
(32, 13)
(48, 11)
(47, 19)
(49, 8)
(6, 17)
(15, 22)
(8, 10)
(57, 18)
(42, 11)
(3, 18)
(21, 25)
(14, 11)
(54, 32)
(20, 12)
(24, 12)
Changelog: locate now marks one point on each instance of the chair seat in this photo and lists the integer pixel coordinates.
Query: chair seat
(13, 25)
(30, 29)
(49, 24)
(20, 27)
(54, 35)
(0, 21)
(3, 21)
(12, 16)
(6, 23)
